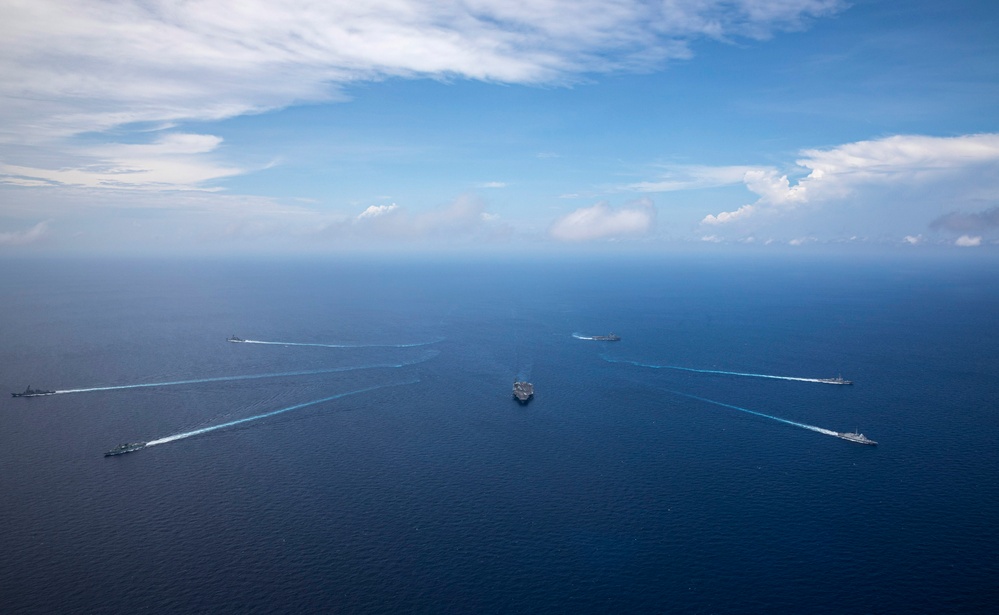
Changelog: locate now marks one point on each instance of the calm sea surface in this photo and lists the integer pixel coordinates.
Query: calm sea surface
(421, 486)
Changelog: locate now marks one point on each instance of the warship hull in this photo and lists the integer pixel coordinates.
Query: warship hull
(30, 392)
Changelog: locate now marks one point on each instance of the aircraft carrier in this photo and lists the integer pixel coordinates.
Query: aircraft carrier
(523, 392)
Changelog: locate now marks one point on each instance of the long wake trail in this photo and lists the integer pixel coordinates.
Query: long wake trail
(722, 372)
(827, 432)
(311, 372)
(271, 343)
(197, 432)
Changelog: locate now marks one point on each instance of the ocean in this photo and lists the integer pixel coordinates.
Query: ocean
(370, 458)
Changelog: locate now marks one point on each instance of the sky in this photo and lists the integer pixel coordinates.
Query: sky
(312, 127)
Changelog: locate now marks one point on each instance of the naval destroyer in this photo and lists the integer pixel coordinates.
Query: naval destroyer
(30, 392)
(121, 449)
(856, 436)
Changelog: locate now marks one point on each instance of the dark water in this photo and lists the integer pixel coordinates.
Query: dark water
(428, 489)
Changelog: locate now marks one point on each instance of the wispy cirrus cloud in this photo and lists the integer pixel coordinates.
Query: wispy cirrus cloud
(173, 162)
(695, 177)
(73, 66)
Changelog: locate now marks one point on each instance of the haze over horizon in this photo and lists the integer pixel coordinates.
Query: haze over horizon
(487, 125)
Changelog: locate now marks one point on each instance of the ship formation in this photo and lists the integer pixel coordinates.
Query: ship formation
(30, 392)
(523, 392)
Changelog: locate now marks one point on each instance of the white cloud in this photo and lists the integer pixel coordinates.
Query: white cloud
(493, 185)
(913, 239)
(730, 216)
(601, 221)
(375, 211)
(894, 162)
(966, 241)
(73, 66)
(21, 238)
(173, 161)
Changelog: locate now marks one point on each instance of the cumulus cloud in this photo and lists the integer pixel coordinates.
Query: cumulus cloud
(21, 238)
(913, 240)
(493, 185)
(375, 211)
(967, 241)
(601, 221)
(842, 171)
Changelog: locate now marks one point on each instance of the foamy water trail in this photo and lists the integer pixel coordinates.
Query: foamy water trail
(581, 337)
(203, 430)
(429, 355)
(722, 372)
(827, 432)
(271, 343)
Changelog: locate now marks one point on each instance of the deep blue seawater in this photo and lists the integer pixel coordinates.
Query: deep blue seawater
(431, 490)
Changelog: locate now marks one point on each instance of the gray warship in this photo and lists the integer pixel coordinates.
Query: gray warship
(30, 392)
(856, 436)
(121, 449)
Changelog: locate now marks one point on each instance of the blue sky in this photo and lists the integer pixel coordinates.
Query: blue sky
(324, 127)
